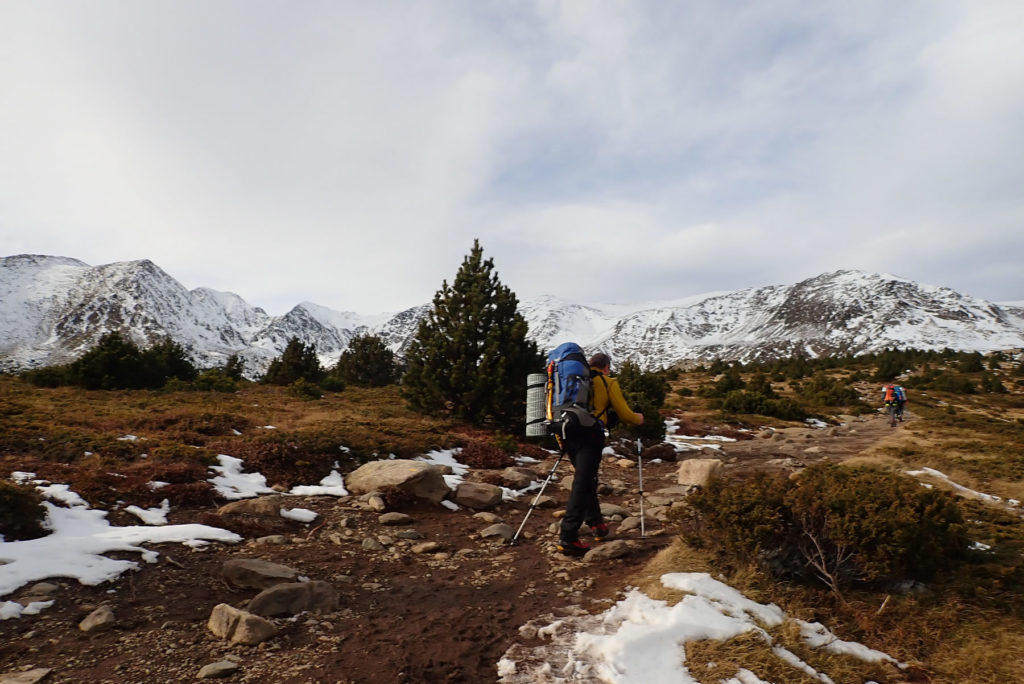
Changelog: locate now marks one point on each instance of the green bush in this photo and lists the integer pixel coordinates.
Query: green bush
(367, 362)
(743, 401)
(304, 389)
(21, 512)
(825, 391)
(645, 393)
(837, 525)
(116, 362)
(297, 362)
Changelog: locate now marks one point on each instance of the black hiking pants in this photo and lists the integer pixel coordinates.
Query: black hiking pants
(584, 452)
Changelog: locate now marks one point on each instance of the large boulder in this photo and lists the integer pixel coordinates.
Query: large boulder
(698, 472)
(295, 598)
(418, 478)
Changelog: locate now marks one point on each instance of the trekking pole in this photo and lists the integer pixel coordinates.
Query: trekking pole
(537, 498)
(640, 470)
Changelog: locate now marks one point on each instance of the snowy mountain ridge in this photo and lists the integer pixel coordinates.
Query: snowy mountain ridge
(52, 309)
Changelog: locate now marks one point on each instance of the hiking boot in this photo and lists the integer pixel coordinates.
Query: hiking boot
(601, 532)
(573, 548)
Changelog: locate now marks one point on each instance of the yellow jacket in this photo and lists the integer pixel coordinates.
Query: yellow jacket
(607, 390)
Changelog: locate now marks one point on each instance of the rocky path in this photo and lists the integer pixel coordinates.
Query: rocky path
(427, 600)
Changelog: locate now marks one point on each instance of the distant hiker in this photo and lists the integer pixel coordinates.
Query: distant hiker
(584, 446)
(894, 396)
(901, 400)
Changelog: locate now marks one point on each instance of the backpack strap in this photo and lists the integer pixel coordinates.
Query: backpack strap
(607, 394)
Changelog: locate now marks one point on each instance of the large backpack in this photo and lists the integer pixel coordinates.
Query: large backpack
(570, 388)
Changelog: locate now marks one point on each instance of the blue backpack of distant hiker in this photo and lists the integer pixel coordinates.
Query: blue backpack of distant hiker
(570, 389)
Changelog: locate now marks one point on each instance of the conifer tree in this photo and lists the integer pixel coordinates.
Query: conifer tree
(470, 355)
(366, 363)
(297, 362)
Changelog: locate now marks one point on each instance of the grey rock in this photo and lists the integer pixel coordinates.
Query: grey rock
(698, 471)
(276, 539)
(409, 534)
(613, 549)
(239, 626)
(427, 547)
(609, 509)
(487, 516)
(499, 530)
(255, 573)
(371, 544)
(477, 495)
(295, 598)
(101, 618)
(36, 674)
(394, 518)
(629, 524)
(222, 668)
(418, 478)
(263, 505)
(517, 478)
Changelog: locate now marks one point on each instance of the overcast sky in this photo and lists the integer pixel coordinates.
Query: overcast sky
(348, 153)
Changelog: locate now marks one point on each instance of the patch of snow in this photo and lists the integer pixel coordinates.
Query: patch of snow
(301, 514)
(232, 483)
(331, 485)
(79, 538)
(151, 516)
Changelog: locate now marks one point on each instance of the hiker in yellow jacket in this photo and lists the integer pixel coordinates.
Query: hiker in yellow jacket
(585, 450)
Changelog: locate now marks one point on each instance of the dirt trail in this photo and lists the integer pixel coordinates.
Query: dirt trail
(404, 617)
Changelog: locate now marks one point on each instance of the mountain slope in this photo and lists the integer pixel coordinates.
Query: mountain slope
(52, 309)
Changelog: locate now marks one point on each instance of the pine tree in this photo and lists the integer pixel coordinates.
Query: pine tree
(366, 363)
(297, 362)
(470, 355)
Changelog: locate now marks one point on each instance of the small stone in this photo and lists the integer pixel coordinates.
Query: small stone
(394, 518)
(426, 547)
(272, 539)
(499, 530)
(216, 670)
(101, 618)
(30, 676)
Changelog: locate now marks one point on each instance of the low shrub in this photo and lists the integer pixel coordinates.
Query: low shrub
(305, 389)
(21, 512)
(480, 454)
(836, 525)
(744, 401)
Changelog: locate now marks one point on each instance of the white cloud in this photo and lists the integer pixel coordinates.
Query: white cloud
(348, 153)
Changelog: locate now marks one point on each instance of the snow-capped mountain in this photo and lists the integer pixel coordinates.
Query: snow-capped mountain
(52, 309)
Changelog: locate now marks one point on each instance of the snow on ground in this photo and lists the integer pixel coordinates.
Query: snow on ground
(691, 442)
(641, 639)
(151, 516)
(233, 483)
(79, 536)
(960, 489)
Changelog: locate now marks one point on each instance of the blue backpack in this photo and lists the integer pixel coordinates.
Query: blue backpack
(570, 388)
